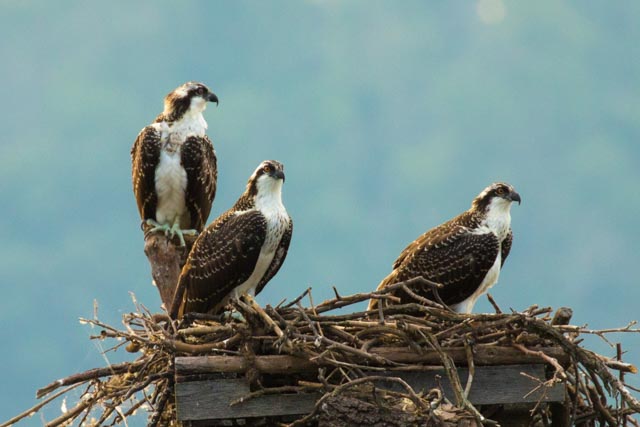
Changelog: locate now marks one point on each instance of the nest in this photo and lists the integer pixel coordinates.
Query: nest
(353, 356)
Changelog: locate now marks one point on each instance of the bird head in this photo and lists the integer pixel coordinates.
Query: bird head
(498, 195)
(190, 97)
(267, 179)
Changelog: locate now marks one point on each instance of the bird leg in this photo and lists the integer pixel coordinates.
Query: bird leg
(175, 229)
(156, 226)
(172, 230)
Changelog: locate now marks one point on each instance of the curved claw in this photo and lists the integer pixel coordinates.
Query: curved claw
(156, 226)
(171, 230)
(176, 230)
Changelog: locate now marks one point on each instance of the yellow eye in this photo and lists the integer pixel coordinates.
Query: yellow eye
(267, 169)
(500, 191)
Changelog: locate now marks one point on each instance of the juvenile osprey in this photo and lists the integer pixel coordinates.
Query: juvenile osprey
(241, 250)
(465, 254)
(174, 164)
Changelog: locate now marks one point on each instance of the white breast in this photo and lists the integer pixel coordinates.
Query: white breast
(490, 279)
(277, 223)
(498, 218)
(171, 184)
(498, 222)
(191, 124)
(170, 177)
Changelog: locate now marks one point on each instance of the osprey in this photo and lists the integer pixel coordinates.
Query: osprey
(174, 166)
(465, 254)
(241, 250)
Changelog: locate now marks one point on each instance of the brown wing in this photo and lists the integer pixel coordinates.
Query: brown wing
(222, 258)
(145, 155)
(278, 257)
(458, 259)
(434, 235)
(506, 246)
(199, 161)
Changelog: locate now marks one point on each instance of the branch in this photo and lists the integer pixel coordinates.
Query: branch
(91, 374)
(166, 260)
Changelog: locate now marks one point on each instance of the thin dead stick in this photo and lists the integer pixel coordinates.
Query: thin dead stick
(550, 360)
(73, 412)
(162, 402)
(91, 374)
(579, 329)
(472, 369)
(31, 411)
(586, 358)
(421, 299)
(299, 298)
(494, 304)
(454, 379)
(268, 320)
(351, 299)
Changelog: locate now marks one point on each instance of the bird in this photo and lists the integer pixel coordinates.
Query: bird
(464, 255)
(174, 165)
(239, 252)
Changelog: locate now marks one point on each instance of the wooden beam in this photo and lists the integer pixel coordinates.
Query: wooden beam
(274, 364)
(509, 384)
(284, 364)
(211, 400)
(482, 355)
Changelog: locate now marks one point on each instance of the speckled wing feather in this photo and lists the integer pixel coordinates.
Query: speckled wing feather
(436, 234)
(199, 161)
(452, 256)
(506, 246)
(278, 257)
(145, 155)
(222, 258)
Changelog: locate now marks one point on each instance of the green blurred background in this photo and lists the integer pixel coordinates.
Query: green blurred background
(389, 117)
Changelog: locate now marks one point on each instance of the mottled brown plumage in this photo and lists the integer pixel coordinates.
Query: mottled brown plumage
(174, 166)
(460, 253)
(241, 250)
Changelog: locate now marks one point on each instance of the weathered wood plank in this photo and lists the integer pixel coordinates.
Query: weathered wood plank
(201, 400)
(491, 384)
(271, 364)
(283, 364)
(482, 355)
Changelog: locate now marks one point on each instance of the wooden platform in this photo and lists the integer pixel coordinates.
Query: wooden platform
(203, 395)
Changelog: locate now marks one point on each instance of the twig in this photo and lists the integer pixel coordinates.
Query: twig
(268, 320)
(472, 369)
(90, 375)
(31, 411)
(550, 360)
(494, 304)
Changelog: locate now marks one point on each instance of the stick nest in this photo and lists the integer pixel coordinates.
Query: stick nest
(349, 350)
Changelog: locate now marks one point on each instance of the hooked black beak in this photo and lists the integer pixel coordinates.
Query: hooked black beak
(212, 98)
(278, 175)
(514, 197)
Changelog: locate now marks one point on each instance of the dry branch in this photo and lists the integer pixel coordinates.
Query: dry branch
(166, 259)
(341, 351)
